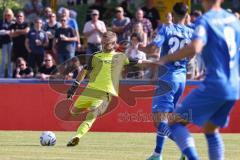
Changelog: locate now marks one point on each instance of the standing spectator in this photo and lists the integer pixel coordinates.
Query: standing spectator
(47, 13)
(119, 23)
(35, 42)
(65, 13)
(139, 17)
(151, 13)
(50, 28)
(64, 38)
(33, 10)
(8, 20)
(48, 68)
(22, 70)
(93, 31)
(138, 28)
(19, 30)
(133, 53)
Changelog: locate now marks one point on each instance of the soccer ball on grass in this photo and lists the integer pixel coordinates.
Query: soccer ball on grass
(48, 138)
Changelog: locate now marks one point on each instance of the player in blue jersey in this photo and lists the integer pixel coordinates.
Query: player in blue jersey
(169, 38)
(217, 38)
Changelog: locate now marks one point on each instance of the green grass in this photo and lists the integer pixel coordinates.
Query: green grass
(22, 145)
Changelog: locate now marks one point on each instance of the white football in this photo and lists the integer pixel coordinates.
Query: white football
(48, 138)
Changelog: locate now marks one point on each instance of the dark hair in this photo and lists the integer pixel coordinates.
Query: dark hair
(137, 35)
(196, 13)
(20, 12)
(37, 19)
(19, 60)
(180, 8)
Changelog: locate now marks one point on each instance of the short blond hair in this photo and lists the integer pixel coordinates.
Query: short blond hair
(110, 37)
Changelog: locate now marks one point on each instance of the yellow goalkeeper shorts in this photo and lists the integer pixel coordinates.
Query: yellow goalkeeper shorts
(91, 98)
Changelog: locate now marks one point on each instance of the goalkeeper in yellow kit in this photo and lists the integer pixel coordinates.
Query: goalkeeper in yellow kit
(105, 69)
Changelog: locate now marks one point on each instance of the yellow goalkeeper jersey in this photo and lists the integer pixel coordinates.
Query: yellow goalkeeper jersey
(106, 69)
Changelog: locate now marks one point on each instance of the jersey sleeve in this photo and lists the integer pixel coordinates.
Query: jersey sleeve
(160, 38)
(89, 65)
(200, 32)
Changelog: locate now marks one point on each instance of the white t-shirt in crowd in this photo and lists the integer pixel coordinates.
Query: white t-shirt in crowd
(135, 54)
(96, 36)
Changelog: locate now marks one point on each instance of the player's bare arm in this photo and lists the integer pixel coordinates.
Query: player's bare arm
(145, 63)
(189, 51)
(149, 49)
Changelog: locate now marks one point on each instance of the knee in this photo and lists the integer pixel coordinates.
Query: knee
(158, 117)
(75, 111)
(175, 118)
(210, 128)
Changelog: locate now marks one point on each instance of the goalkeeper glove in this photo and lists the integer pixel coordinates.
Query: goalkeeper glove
(72, 89)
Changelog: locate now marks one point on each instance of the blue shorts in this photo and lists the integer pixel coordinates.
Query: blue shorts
(166, 103)
(199, 107)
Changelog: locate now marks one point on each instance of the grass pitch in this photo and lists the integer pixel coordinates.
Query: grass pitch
(24, 145)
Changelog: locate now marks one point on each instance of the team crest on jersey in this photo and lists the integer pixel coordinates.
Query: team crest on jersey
(159, 38)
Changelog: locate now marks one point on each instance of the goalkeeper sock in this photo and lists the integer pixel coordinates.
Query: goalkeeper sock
(215, 146)
(86, 125)
(184, 141)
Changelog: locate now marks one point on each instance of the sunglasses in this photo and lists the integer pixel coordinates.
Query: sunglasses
(94, 14)
(47, 60)
(20, 65)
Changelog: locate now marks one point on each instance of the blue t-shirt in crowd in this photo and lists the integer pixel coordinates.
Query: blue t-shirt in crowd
(73, 24)
(121, 23)
(65, 47)
(34, 35)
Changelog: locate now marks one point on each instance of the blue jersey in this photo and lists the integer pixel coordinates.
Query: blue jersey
(220, 33)
(191, 25)
(170, 38)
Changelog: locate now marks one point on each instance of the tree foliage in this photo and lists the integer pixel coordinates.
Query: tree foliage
(15, 5)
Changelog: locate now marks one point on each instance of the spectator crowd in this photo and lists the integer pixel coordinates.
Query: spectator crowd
(36, 40)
